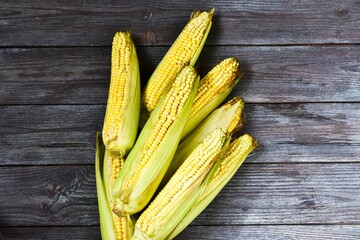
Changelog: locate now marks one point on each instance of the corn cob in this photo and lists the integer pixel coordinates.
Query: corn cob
(149, 159)
(123, 225)
(119, 130)
(185, 51)
(112, 226)
(235, 155)
(212, 91)
(230, 116)
(182, 191)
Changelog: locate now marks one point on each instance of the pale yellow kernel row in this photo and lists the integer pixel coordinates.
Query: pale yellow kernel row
(238, 120)
(120, 223)
(215, 82)
(236, 149)
(120, 69)
(178, 56)
(194, 166)
(117, 163)
(174, 103)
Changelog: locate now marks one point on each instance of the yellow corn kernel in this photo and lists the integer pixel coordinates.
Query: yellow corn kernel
(177, 197)
(225, 169)
(111, 169)
(215, 82)
(174, 103)
(184, 51)
(122, 224)
(237, 122)
(120, 68)
(230, 116)
(118, 136)
(117, 165)
(234, 156)
(149, 159)
(212, 91)
(112, 226)
(123, 228)
(120, 130)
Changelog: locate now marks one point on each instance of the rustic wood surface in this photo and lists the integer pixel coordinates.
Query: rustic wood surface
(272, 74)
(258, 194)
(89, 23)
(302, 88)
(263, 232)
(302, 132)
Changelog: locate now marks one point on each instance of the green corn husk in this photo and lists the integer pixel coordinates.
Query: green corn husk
(213, 90)
(120, 130)
(131, 195)
(184, 51)
(107, 225)
(236, 154)
(183, 189)
(230, 116)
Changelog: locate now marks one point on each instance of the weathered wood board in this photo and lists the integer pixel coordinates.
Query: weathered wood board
(301, 86)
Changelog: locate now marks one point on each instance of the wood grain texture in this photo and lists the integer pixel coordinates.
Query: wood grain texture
(53, 233)
(65, 134)
(272, 74)
(270, 232)
(48, 196)
(87, 23)
(301, 86)
(302, 232)
(258, 194)
(287, 194)
(49, 134)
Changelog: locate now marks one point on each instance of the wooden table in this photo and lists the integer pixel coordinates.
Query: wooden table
(301, 85)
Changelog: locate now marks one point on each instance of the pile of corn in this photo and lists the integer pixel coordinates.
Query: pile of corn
(152, 184)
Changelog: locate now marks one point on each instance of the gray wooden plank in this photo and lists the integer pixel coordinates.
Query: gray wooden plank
(65, 134)
(48, 196)
(287, 194)
(302, 232)
(258, 194)
(33, 135)
(54, 233)
(305, 132)
(269, 232)
(88, 23)
(51, 75)
(272, 74)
